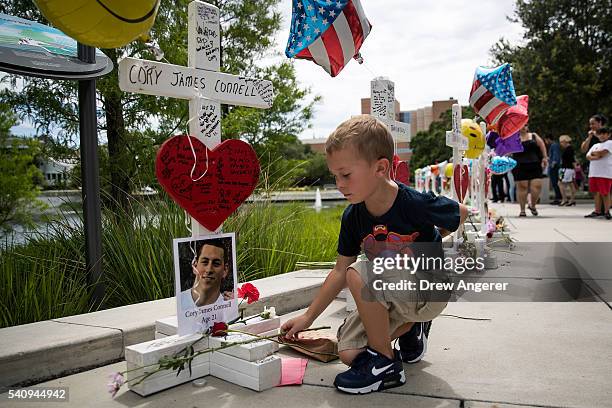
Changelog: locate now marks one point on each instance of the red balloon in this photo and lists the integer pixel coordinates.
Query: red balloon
(514, 118)
(211, 185)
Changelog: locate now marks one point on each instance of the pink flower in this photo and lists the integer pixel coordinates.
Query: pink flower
(117, 381)
(490, 228)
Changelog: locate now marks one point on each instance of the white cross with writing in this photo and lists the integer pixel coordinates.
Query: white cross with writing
(457, 141)
(200, 82)
(382, 106)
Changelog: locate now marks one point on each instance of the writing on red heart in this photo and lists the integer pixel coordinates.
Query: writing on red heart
(221, 180)
(461, 185)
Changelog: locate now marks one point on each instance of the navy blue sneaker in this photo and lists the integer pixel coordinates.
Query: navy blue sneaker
(371, 371)
(413, 344)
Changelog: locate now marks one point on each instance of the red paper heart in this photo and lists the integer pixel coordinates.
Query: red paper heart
(213, 189)
(402, 174)
(461, 187)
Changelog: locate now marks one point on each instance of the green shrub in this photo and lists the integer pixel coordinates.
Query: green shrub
(46, 278)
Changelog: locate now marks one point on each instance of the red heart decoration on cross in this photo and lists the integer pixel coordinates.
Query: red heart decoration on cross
(402, 173)
(461, 186)
(209, 184)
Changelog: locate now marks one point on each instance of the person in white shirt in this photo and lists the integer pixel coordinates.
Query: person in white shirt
(600, 173)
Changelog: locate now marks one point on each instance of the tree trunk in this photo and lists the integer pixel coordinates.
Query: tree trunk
(118, 154)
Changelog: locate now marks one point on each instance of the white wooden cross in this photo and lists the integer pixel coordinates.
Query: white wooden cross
(200, 82)
(459, 143)
(482, 180)
(382, 106)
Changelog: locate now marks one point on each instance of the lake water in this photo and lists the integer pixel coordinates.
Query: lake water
(21, 234)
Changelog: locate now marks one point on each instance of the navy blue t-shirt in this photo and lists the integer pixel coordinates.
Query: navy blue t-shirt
(411, 218)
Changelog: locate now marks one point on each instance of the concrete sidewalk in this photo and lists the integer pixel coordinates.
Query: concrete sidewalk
(526, 354)
(556, 224)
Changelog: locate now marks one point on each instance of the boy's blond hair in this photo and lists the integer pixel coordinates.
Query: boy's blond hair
(367, 134)
(565, 138)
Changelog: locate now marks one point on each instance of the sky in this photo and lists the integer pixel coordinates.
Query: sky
(429, 49)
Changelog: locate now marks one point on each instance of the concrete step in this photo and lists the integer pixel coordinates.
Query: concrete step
(36, 352)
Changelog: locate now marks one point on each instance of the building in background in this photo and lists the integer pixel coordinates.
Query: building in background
(420, 119)
(55, 172)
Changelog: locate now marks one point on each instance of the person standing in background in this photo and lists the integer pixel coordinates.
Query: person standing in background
(596, 122)
(554, 164)
(566, 171)
(600, 176)
(579, 175)
(528, 171)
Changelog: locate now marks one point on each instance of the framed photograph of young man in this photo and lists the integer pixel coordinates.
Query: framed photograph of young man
(205, 279)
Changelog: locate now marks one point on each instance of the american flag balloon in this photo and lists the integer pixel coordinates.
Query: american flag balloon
(492, 92)
(329, 33)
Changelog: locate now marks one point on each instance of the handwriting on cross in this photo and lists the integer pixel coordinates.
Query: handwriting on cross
(454, 138)
(200, 82)
(382, 105)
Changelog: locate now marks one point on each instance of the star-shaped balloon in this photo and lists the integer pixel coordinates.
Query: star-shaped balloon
(329, 33)
(492, 92)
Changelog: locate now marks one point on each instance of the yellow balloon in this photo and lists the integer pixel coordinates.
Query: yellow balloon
(101, 23)
(476, 139)
(448, 171)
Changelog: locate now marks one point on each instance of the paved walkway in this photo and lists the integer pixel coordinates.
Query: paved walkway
(527, 354)
(556, 224)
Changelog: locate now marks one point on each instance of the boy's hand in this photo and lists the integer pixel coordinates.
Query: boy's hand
(292, 326)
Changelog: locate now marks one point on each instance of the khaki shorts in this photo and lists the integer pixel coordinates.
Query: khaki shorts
(403, 306)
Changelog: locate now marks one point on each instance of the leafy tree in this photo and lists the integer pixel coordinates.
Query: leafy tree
(19, 176)
(317, 172)
(247, 32)
(429, 147)
(563, 63)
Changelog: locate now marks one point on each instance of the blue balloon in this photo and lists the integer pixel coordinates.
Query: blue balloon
(502, 164)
